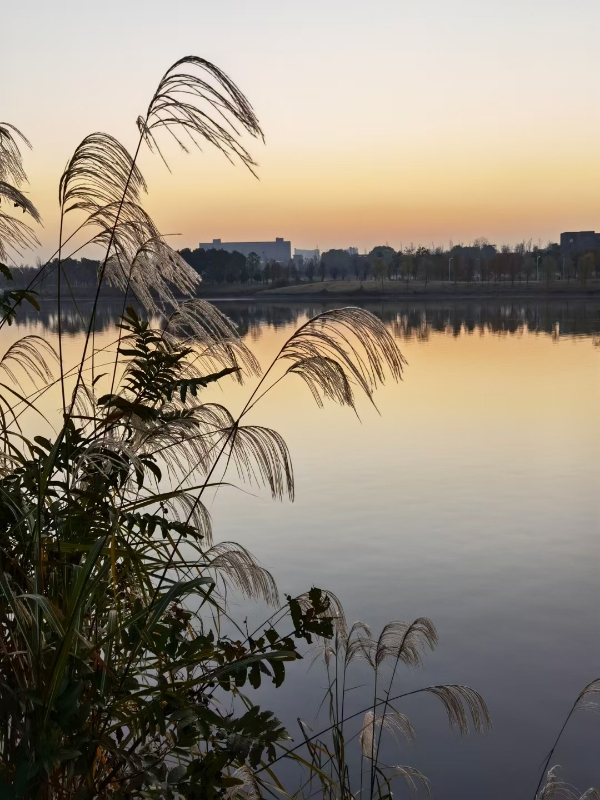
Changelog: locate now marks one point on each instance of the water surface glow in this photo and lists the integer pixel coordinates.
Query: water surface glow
(470, 498)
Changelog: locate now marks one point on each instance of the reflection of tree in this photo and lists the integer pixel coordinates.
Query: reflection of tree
(409, 320)
(419, 320)
(74, 318)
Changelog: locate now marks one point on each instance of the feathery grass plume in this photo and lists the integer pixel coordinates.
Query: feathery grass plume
(403, 641)
(342, 347)
(11, 159)
(262, 458)
(592, 689)
(127, 222)
(198, 322)
(150, 274)
(413, 779)
(581, 703)
(458, 700)
(349, 643)
(247, 789)
(239, 567)
(14, 233)
(186, 508)
(33, 355)
(556, 789)
(197, 98)
(180, 441)
(394, 722)
(100, 174)
(12, 195)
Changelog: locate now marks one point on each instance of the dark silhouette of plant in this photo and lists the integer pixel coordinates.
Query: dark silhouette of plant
(114, 662)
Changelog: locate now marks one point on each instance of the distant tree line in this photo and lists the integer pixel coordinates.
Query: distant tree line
(77, 273)
(480, 261)
(221, 266)
(477, 262)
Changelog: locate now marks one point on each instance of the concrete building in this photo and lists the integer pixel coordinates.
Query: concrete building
(306, 255)
(279, 250)
(573, 243)
(352, 251)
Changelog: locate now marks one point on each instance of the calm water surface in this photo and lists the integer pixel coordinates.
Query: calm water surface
(472, 498)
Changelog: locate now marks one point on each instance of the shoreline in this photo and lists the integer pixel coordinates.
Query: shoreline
(334, 291)
(433, 293)
(418, 297)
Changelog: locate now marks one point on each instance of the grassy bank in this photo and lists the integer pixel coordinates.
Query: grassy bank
(371, 290)
(353, 290)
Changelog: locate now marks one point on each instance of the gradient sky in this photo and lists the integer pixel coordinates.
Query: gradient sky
(408, 120)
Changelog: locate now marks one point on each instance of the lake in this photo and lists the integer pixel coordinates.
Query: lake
(470, 496)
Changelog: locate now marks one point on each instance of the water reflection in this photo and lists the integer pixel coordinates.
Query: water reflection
(471, 499)
(74, 317)
(408, 320)
(419, 320)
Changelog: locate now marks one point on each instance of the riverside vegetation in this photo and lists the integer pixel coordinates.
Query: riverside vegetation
(122, 672)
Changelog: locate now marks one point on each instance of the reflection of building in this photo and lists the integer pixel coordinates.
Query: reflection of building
(306, 255)
(574, 243)
(279, 250)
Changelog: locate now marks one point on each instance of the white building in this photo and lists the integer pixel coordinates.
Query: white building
(279, 250)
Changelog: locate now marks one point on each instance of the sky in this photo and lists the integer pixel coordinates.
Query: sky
(423, 121)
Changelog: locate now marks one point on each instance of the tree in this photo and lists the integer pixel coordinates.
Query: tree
(568, 268)
(440, 262)
(273, 271)
(380, 270)
(408, 266)
(585, 266)
(425, 268)
(513, 263)
(253, 264)
(529, 266)
(234, 265)
(356, 263)
(310, 270)
(383, 251)
(336, 261)
(396, 264)
(421, 253)
(549, 268)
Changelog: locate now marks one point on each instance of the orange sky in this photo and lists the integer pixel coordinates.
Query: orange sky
(385, 122)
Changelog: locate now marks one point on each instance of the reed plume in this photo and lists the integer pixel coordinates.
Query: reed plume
(14, 233)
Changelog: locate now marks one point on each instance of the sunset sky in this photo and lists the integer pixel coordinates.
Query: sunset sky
(408, 120)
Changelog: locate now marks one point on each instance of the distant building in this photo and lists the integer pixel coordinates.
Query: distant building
(306, 255)
(352, 251)
(279, 250)
(573, 243)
